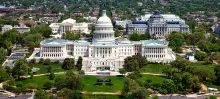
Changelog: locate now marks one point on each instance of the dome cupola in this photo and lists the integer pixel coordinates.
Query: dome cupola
(104, 29)
(104, 19)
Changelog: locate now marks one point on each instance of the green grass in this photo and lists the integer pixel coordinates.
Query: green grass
(153, 68)
(99, 96)
(38, 80)
(43, 68)
(88, 83)
(202, 65)
(116, 81)
(153, 78)
(158, 68)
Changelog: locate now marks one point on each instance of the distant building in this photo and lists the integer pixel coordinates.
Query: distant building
(217, 28)
(4, 9)
(212, 20)
(190, 56)
(69, 25)
(55, 27)
(122, 23)
(91, 19)
(158, 25)
(22, 28)
(6, 28)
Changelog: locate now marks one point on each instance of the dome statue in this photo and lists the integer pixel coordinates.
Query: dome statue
(104, 19)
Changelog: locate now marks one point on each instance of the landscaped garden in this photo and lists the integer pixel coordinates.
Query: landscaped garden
(103, 83)
(91, 83)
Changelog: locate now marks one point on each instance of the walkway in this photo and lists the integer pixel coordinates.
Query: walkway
(42, 74)
(94, 73)
(103, 93)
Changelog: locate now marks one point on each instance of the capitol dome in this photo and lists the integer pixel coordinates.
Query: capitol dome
(104, 29)
(72, 21)
(104, 19)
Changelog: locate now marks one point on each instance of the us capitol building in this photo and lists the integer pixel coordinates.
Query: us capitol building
(104, 50)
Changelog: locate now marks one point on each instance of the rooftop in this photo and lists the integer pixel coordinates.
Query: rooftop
(153, 43)
(54, 41)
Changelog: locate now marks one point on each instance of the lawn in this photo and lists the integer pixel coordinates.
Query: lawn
(153, 68)
(154, 79)
(88, 83)
(43, 68)
(90, 80)
(206, 66)
(38, 80)
(99, 96)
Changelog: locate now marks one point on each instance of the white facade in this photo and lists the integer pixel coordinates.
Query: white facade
(6, 28)
(69, 25)
(167, 17)
(54, 27)
(122, 23)
(20, 29)
(104, 50)
(158, 25)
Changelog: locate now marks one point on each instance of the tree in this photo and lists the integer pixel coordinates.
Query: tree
(122, 71)
(49, 69)
(217, 74)
(72, 35)
(41, 61)
(187, 80)
(77, 95)
(81, 20)
(82, 72)
(33, 61)
(116, 34)
(196, 84)
(31, 76)
(65, 93)
(180, 64)
(140, 93)
(138, 37)
(51, 76)
(33, 38)
(73, 81)
(20, 68)
(200, 56)
(30, 86)
(47, 61)
(4, 75)
(79, 63)
(134, 63)
(45, 30)
(169, 86)
(3, 54)
(49, 84)
(169, 71)
(68, 64)
(41, 94)
(130, 85)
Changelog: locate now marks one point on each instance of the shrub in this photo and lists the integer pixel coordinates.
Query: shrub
(49, 84)
(47, 62)
(33, 61)
(41, 61)
(57, 62)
